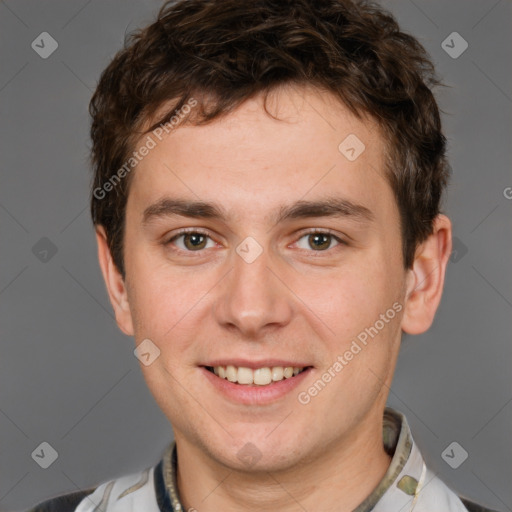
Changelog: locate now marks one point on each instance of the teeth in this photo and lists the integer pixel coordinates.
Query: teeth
(288, 372)
(245, 375)
(231, 373)
(260, 376)
(277, 373)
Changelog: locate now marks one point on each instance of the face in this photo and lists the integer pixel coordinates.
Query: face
(265, 245)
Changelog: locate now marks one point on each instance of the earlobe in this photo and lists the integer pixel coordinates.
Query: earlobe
(115, 284)
(425, 280)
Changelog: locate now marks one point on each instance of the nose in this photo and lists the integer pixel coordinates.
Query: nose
(253, 298)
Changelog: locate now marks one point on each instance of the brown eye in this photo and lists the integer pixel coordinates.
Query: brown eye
(318, 241)
(194, 241)
(191, 241)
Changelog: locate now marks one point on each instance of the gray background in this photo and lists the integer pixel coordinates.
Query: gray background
(69, 377)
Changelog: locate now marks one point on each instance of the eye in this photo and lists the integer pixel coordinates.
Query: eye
(191, 241)
(319, 241)
(194, 240)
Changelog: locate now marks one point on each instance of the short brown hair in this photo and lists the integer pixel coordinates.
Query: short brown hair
(225, 52)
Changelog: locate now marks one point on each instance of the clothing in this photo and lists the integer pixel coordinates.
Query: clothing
(155, 490)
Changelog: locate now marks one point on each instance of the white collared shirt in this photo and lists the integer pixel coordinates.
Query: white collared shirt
(408, 484)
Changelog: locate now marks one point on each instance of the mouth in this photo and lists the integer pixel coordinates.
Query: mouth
(264, 376)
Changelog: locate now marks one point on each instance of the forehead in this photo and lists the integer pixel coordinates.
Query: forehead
(250, 161)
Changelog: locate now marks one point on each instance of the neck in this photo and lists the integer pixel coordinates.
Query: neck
(337, 479)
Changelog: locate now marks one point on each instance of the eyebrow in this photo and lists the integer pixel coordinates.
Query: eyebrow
(328, 207)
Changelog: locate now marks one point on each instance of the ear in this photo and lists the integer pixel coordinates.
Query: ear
(425, 279)
(115, 284)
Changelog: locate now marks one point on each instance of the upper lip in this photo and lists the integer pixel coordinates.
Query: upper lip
(263, 363)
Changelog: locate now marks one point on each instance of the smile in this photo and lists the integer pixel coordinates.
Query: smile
(257, 376)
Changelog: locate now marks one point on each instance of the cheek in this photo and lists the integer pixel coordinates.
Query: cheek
(163, 307)
(349, 299)
(159, 301)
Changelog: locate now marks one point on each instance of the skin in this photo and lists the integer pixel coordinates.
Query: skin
(294, 301)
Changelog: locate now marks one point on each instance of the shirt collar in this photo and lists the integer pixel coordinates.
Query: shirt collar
(398, 486)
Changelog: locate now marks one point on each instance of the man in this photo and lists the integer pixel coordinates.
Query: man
(266, 199)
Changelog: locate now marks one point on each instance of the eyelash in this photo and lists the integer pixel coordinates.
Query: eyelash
(199, 231)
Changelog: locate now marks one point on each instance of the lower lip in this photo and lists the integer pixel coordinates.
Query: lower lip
(254, 394)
